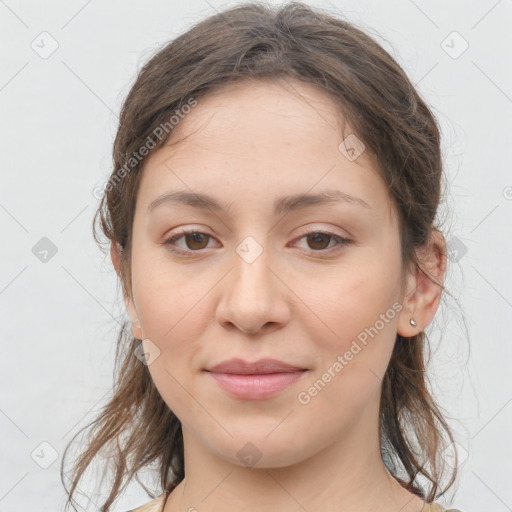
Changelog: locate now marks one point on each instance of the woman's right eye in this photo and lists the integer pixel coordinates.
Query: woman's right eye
(194, 241)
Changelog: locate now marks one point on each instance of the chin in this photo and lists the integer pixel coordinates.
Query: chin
(264, 451)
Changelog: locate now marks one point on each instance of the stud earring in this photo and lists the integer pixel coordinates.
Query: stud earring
(413, 322)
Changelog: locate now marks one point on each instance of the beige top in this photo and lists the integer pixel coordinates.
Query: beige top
(157, 505)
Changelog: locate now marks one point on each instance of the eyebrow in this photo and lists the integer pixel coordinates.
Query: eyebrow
(282, 205)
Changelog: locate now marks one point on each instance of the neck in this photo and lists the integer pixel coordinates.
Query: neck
(273, 489)
(346, 475)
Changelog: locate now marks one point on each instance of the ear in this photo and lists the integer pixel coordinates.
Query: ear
(423, 295)
(115, 253)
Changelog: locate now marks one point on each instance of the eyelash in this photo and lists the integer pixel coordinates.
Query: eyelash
(341, 242)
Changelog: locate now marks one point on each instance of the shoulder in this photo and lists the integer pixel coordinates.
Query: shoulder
(436, 507)
(155, 505)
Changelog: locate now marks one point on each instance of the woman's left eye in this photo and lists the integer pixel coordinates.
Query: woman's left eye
(318, 239)
(315, 239)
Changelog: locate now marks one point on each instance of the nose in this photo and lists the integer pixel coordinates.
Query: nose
(254, 296)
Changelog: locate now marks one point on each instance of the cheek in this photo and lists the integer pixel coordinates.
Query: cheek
(354, 329)
(174, 318)
(354, 299)
(171, 302)
(351, 362)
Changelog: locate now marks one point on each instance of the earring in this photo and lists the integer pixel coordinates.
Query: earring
(413, 322)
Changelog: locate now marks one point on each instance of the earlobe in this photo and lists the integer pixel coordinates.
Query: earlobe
(408, 324)
(424, 287)
(136, 328)
(115, 253)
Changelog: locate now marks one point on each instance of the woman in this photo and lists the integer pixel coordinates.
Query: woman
(272, 219)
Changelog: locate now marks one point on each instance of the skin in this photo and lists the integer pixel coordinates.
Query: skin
(300, 301)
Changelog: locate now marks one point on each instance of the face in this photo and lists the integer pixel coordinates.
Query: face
(313, 284)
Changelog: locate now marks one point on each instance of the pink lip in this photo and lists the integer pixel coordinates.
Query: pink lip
(257, 380)
(253, 387)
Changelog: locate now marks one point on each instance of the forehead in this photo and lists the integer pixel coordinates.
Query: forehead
(281, 137)
(249, 113)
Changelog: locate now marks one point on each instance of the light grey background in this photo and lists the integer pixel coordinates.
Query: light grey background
(59, 318)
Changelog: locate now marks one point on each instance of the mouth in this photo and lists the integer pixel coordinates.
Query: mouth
(252, 381)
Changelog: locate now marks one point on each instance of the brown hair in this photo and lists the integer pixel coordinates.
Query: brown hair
(382, 107)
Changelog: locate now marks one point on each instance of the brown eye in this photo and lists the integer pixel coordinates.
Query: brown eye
(319, 241)
(196, 240)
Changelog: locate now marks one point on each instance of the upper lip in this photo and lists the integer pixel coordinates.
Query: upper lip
(262, 366)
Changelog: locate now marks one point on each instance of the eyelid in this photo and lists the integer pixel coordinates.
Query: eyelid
(302, 231)
(319, 229)
(341, 241)
(169, 240)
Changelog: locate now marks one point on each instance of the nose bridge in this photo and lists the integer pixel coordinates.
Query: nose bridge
(251, 261)
(250, 249)
(250, 297)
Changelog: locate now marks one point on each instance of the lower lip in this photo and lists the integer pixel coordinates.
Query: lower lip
(254, 387)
